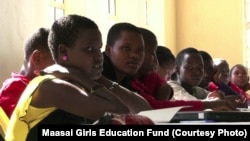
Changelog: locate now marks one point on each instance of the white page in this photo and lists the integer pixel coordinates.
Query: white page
(161, 115)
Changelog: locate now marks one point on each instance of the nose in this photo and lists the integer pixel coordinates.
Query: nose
(134, 54)
(199, 72)
(99, 55)
(241, 74)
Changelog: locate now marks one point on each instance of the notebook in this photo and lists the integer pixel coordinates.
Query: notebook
(212, 116)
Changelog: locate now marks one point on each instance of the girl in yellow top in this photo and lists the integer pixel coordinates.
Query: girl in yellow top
(74, 42)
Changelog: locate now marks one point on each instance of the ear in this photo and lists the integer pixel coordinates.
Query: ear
(108, 50)
(177, 70)
(62, 51)
(36, 57)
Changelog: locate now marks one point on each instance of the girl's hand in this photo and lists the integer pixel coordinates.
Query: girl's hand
(215, 95)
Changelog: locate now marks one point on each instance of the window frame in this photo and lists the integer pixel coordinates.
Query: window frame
(54, 8)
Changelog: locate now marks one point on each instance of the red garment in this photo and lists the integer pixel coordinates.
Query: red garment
(237, 89)
(11, 91)
(147, 91)
(150, 87)
(212, 87)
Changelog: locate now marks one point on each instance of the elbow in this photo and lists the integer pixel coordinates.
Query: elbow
(121, 109)
(124, 109)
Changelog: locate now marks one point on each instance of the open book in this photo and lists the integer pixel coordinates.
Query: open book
(161, 115)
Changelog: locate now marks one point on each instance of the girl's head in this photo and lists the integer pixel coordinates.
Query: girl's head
(37, 54)
(150, 60)
(239, 75)
(166, 61)
(222, 66)
(208, 69)
(75, 41)
(189, 67)
(125, 48)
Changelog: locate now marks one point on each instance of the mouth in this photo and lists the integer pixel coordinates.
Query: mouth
(240, 80)
(197, 80)
(134, 64)
(98, 67)
(206, 79)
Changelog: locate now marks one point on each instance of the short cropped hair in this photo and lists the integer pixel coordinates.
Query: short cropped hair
(36, 41)
(116, 30)
(205, 55)
(65, 30)
(164, 55)
(238, 65)
(182, 53)
(148, 37)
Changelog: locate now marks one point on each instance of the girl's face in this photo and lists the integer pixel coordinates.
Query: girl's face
(85, 54)
(150, 60)
(166, 70)
(127, 53)
(208, 73)
(191, 70)
(223, 67)
(239, 76)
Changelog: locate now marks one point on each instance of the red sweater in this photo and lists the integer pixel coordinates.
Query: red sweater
(238, 89)
(11, 91)
(141, 86)
(234, 88)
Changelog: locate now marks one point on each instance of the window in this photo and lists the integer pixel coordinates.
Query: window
(112, 12)
(56, 10)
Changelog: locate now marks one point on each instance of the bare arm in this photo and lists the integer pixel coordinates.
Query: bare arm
(68, 97)
(227, 103)
(134, 101)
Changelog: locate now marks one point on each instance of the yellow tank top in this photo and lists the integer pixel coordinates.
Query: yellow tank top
(25, 116)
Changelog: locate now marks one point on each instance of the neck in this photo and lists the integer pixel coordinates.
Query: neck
(26, 72)
(120, 76)
(188, 88)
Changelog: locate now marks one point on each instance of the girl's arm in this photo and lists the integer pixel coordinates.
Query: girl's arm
(134, 101)
(70, 98)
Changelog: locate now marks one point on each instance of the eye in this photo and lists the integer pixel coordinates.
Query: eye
(90, 48)
(210, 70)
(189, 67)
(126, 48)
(141, 49)
(99, 50)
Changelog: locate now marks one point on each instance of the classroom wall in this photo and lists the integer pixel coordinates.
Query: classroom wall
(170, 25)
(157, 17)
(18, 18)
(216, 26)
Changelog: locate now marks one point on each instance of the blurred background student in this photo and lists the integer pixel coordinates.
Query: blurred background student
(166, 61)
(37, 56)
